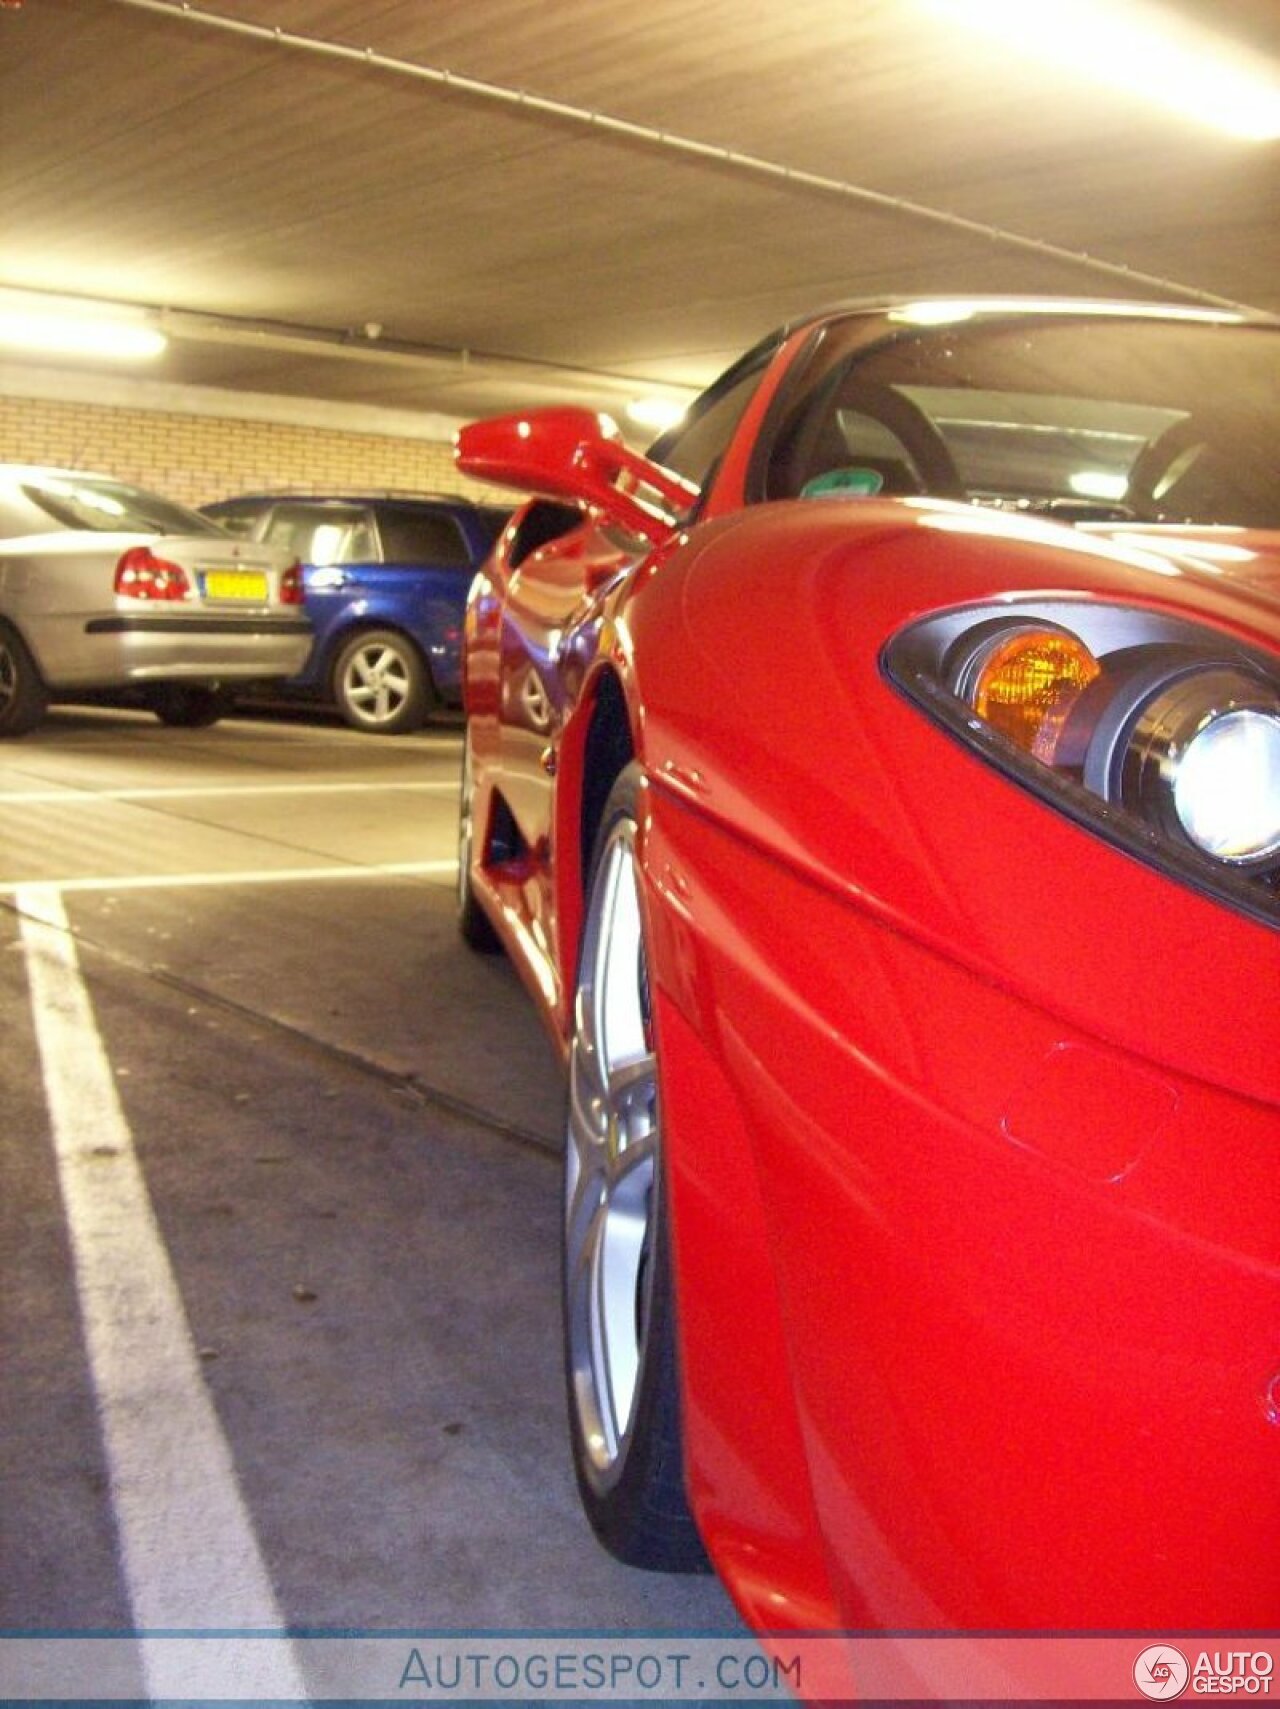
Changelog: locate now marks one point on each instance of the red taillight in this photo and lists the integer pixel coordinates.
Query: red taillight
(291, 585)
(141, 575)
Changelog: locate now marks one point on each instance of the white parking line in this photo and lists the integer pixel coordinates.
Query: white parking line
(255, 875)
(71, 797)
(188, 1549)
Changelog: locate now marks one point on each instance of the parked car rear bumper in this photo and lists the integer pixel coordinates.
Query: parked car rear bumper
(123, 649)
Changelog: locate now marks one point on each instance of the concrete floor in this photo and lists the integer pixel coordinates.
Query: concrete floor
(346, 1125)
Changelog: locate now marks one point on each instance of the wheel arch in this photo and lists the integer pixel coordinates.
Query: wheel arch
(10, 626)
(26, 695)
(600, 740)
(598, 743)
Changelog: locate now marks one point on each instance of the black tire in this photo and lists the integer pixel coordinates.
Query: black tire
(381, 684)
(473, 923)
(189, 706)
(620, 1330)
(24, 698)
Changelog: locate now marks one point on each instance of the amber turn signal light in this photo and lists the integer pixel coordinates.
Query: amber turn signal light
(1027, 684)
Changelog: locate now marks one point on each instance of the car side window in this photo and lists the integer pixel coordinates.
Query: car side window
(324, 534)
(421, 537)
(694, 449)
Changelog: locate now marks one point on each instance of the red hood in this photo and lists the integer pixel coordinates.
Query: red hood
(1245, 560)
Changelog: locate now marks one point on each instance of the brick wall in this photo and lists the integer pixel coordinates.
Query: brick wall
(197, 458)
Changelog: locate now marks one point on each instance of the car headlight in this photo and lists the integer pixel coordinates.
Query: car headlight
(1158, 733)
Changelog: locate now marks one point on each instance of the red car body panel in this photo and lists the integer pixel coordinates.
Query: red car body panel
(971, 1119)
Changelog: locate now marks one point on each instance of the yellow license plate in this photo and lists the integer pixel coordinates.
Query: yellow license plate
(235, 584)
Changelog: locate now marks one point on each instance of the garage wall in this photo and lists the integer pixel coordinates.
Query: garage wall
(198, 458)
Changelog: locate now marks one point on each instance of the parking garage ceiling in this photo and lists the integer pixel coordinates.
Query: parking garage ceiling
(296, 192)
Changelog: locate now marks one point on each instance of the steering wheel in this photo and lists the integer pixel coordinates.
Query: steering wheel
(918, 435)
(1163, 461)
(814, 444)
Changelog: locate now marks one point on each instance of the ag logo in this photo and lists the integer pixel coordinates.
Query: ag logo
(1161, 1672)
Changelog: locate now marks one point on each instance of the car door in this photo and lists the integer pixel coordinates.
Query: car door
(537, 614)
(422, 583)
(550, 609)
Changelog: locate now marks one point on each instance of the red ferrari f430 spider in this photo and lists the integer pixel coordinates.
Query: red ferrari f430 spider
(878, 788)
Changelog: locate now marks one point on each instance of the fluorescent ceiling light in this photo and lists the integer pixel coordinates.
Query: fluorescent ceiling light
(64, 328)
(1138, 51)
(949, 311)
(656, 413)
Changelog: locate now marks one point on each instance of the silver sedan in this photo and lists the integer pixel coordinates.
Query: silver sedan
(109, 590)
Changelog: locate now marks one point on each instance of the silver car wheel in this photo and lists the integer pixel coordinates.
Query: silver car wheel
(381, 684)
(376, 683)
(611, 1165)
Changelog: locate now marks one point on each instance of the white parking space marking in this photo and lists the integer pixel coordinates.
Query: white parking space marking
(285, 875)
(69, 796)
(188, 1549)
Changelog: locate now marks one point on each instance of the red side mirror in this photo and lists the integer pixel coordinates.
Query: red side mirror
(569, 453)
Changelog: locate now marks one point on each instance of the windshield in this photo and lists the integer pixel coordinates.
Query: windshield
(110, 507)
(1085, 416)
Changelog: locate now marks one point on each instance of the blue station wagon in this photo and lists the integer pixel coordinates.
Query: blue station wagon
(386, 580)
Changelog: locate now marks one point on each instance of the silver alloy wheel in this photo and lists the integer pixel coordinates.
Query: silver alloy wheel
(611, 1165)
(377, 680)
